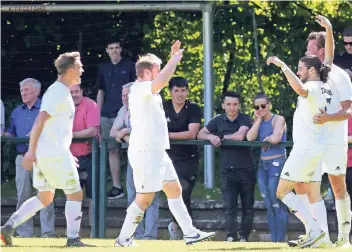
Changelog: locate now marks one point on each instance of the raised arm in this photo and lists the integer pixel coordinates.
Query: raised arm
(329, 40)
(163, 78)
(292, 79)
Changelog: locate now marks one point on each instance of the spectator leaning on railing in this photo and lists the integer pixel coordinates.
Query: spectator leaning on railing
(268, 127)
(86, 124)
(21, 122)
(236, 164)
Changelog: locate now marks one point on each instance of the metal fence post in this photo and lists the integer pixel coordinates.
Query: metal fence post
(94, 189)
(209, 165)
(102, 188)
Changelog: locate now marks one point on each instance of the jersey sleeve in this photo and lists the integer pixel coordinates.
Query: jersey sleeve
(50, 101)
(343, 87)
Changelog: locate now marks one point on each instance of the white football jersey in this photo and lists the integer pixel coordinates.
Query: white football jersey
(341, 87)
(56, 137)
(304, 130)
(149, 127)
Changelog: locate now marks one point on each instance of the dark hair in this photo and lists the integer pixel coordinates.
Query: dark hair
(231, 94)
(313, 61)
(112, 40)
(347, 32)
(319, 36)
(178, 82)
(261, 95)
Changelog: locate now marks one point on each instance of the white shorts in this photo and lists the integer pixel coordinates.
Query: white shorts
(151, 169)
(334, 162)
(302, 163)
(50, 174)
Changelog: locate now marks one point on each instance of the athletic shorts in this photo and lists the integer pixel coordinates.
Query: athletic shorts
(151, 168)
(334, 162)
(302, 163)
(50, 174)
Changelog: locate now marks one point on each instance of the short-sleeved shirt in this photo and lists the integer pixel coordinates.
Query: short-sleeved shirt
(56, 137)
(341, 88)
(304, 130)
(148, 122)
(343, 60)
(122, 119)
(178, 122)
(232, 157)
(21, 122)
(111, 78)
(87, 115)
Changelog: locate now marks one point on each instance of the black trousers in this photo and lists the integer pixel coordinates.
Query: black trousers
(186, 170)
(236, 183)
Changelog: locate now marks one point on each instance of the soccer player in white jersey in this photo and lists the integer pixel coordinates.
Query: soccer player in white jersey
(49, 154)
(334, 161)
(307, 150)
(152, 168)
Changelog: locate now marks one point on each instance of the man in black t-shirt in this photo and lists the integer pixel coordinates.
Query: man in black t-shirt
(183, 120)
(238, 175)
(344, 59)
(112, 75)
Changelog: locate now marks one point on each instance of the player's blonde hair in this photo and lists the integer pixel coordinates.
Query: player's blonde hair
(66, 61)
(147, 62)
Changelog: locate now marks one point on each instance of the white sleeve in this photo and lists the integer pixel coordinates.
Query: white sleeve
(313, 90)
(143, 89)
(343, 87)
(50, 102)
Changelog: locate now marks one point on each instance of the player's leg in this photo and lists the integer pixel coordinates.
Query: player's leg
(300, 167)
(26, 211)
(335, 166)
(285, 194)
(147, 176)
(173, 191)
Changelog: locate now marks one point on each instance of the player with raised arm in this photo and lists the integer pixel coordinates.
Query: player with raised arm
(334, 161)
(49, 154)
(308, 148)
(152, 168)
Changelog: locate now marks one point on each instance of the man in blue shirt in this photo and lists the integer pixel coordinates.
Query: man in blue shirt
(112, 75)
(21, 122)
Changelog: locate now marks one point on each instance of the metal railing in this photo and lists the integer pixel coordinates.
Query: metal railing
(99, 197)
(19, 140)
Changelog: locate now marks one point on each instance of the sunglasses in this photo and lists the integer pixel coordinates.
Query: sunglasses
(347, 43)
(263, 106)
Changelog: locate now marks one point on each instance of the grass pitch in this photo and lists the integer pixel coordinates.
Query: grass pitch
(53, 245)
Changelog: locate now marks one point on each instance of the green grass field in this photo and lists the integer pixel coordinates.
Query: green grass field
(44, 245)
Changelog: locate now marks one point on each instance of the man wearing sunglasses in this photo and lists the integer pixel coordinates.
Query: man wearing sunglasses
(344, 59)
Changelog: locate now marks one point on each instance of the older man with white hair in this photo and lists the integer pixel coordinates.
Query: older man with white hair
(21, 122)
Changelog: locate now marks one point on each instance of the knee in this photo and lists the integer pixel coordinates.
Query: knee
(46, 199)
(143, 201)
(76, 196)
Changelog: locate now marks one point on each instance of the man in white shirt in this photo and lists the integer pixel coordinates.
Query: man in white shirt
(49, 154)
(334, 161)
(314, 95)
(152, 168)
